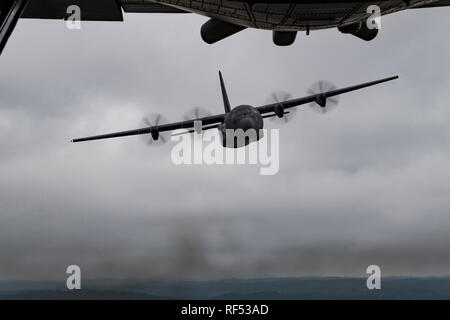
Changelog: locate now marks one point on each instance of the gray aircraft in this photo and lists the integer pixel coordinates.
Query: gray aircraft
(226, 17)
(243, 118)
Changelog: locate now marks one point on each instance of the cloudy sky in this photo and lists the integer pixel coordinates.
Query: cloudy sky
(368, 183)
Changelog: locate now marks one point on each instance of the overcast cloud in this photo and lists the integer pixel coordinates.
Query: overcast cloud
(366, 184)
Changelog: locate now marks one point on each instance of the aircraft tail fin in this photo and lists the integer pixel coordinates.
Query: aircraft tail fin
(226, 102)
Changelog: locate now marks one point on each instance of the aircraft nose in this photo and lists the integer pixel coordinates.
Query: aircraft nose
(247, 123)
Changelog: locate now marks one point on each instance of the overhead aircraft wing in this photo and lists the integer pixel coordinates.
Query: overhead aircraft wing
(91, 10)
(148, 7)
(207, 123)
(440, 3)
(318, 98)
(10, 12)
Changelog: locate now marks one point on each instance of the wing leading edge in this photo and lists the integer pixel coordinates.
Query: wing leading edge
(188, 124)
(319, 97)
(213, 121)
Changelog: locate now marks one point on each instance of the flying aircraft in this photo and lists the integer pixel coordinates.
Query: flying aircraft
(226, 17)
(243, 117)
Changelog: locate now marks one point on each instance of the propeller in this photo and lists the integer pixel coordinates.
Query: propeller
(323, 104)
(196, 113)
(151, 121)
(279, 97)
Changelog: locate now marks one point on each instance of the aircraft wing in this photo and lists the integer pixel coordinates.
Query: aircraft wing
(214, 121)
(318, 98)
(93, 10)
(441, 3)
(98, 10)
(207, 123)
(148, 7)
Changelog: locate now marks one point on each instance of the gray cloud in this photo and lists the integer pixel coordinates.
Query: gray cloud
(365, 184)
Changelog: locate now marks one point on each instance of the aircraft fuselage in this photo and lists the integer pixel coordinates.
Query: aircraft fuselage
(284, 17)
(241, 126)
(290, 15)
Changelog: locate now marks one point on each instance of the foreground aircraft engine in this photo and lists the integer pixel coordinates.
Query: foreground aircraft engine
(360, 30)
(215, 30)
(284, 38)
(243, 117)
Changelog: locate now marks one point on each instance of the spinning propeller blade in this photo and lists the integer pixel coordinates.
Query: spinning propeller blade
(323, 104)
(151, 121)
(279, 97)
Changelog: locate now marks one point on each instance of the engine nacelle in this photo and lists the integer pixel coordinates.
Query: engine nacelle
(279, 110)
(284, 38)
(155, 134)
(215, 30)
(360, 30)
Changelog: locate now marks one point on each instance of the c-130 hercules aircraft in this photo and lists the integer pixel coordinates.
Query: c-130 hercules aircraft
(227, 17)
(243, 117)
